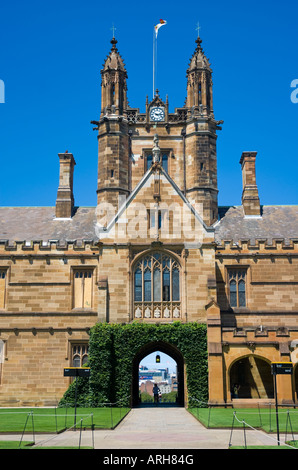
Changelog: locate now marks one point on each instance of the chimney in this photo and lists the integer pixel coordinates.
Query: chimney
(65, 199)
(250, 194)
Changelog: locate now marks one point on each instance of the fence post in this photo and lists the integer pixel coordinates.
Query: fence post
(209, 416)
(80, 433)
(260, 415)
(33, 427)
(289, 419)
(230, 441)
(270, 417)
(56, 420)
(92, 429)
(111, 415)
(244, 433)
(24, 429)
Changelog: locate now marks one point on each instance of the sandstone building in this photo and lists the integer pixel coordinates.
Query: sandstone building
(155, 248)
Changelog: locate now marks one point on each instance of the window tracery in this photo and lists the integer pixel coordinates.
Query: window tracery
(157, 287)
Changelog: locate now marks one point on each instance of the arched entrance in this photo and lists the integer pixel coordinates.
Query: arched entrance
(252, 377)
(171, 351)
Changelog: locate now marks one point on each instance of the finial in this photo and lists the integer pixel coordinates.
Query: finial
(198, 40)
(113, 29)
(114, 42)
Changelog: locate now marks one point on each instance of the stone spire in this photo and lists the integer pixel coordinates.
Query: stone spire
(113, 85)
(199, 83)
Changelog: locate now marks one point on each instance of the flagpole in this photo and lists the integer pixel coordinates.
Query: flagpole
(155, 33)
(153, 59)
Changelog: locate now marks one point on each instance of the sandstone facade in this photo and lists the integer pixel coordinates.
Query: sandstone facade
(155, 248)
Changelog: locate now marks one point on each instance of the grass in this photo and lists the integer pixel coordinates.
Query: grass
(58, 419)
(261, 419)
(9, 445)
(15, 444)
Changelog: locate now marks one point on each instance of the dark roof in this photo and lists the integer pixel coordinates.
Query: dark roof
(275, 222)
(39, 223)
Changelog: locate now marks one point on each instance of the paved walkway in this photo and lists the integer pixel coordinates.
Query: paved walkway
(156, 428)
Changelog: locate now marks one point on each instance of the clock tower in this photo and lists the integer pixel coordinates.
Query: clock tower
(187, 137)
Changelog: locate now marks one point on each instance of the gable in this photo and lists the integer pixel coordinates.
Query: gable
(155, 210)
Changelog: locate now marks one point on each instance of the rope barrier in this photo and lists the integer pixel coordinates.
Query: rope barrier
(257, 430)
(69, 429)
(243, 422)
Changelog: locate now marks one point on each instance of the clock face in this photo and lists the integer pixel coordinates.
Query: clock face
(157, 114)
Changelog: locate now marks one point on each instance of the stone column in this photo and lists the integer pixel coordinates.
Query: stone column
(215, 354)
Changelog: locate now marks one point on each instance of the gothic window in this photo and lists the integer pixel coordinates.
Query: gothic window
(79, 354)
(237, 287)
(2, 287)
(157, 287)
(83, 288)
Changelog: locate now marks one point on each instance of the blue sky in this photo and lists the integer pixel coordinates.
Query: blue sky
(166, 362)
(50, 59)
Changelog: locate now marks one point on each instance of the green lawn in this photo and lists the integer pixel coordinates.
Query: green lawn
(58, 419)
(262, 418)
(15, 444)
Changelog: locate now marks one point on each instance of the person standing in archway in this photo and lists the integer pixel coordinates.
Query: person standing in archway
(156, 392)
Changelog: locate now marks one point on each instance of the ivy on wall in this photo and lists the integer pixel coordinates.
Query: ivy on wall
(112, 349)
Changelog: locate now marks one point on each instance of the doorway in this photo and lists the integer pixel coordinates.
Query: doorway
(170, 358)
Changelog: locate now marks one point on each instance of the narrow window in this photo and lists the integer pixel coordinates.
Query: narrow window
(160, 219)
(113, 94)
(83, 289)
(1, 358)
(156, 217)
(157, 285)
(149, 162)
(147, 286)
(175, 284)
(138, 285)
(2, 287)
(237, 287)
(165, 162)
(166, 285)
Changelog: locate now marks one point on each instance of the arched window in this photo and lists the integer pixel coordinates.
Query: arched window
(237, 287)
(79, 354)
(157, 287)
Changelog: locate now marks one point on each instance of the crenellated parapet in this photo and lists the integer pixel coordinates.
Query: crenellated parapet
(257, 247)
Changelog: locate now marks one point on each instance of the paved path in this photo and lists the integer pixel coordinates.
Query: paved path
(156, 428)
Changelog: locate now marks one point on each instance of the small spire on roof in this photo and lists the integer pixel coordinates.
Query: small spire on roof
(114, 41)
(198, 40)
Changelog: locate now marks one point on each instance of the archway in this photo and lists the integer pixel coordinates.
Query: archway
(165, 348)
(252, 377)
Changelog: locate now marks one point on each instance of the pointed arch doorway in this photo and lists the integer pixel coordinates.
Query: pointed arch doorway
(170, 350)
